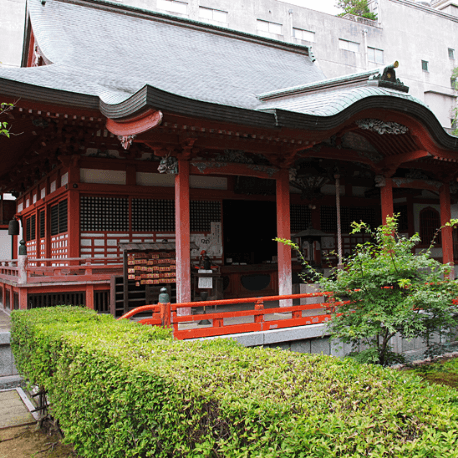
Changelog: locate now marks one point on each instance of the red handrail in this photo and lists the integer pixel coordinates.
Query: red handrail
(167, 314)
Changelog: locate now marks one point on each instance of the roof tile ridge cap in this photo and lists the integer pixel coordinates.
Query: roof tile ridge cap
(322, 84)
(190, 23)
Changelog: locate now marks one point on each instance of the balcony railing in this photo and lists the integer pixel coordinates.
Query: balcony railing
(56, 270)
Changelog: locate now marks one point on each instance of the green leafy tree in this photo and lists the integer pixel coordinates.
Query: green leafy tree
(4, 130)
(357, 8)
(386, 290)
(455, 110)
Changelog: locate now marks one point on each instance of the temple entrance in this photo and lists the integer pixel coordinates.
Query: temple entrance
(248, 228)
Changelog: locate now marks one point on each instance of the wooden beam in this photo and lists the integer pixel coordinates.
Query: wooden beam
(215, 168)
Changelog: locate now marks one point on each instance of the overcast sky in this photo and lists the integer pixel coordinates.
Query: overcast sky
(327, 6)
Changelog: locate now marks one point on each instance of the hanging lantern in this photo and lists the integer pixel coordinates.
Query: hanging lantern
(13, 227)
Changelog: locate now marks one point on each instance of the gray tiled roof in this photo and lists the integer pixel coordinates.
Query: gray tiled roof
(121, 60)
(332, 102)
(95, 51)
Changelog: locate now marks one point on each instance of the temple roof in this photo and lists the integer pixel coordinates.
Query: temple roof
(123, 60)
(104, 50)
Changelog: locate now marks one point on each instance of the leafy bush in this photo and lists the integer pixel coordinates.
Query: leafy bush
(386, 289)
(120, 390)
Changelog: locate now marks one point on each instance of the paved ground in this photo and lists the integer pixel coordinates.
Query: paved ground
(5, 321)
(13, 410)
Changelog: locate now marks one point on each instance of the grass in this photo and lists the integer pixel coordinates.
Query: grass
(441, 372)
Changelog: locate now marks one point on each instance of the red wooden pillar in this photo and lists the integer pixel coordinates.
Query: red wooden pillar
(387, 199)
(22, 298)
(447, 237)
(73, 224)
(285, 283)
(90, 297)
(182, 236)
(73, 209)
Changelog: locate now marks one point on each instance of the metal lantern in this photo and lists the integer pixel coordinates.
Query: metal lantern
(13, 227)
(309, 238)
(163, 296)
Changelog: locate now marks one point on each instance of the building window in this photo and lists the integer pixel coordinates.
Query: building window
(211, 14)
(59, 218)
(348, 45)
(430, 222)
(271, 27)
(424, 65)
(375, 55)
(453, 82)
(304, 35)
(451, 53)
(173, 6)
(30, 230)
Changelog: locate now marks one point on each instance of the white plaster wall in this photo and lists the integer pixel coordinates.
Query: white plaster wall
(5, 244)
(102, 176)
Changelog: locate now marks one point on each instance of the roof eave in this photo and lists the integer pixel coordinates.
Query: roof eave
(152, 98)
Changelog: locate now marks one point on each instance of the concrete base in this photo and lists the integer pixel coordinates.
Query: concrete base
(315, 339)
(7, 366)
(11, 381)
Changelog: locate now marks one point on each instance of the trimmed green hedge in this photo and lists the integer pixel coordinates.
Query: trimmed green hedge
(120, 389)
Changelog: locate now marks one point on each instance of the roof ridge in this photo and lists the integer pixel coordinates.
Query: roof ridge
(323, 84)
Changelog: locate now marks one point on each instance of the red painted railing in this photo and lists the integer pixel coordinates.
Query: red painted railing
(263, 319)
(9, 269)
(52, 270)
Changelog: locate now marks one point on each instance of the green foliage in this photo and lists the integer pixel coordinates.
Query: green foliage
(384, 290)
(4, 107)
(455, 110)
(122, 390)
(357, 8)
(442, 372)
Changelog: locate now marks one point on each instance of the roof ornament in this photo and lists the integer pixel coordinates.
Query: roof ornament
(126, 140)
(388, 79)
(168, 164)
(382, 127)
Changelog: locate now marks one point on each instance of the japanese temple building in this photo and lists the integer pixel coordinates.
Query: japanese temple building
(134, 128)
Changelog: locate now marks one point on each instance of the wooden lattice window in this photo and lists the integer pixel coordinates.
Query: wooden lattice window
(42, 224)
(328, 218)
(59, 218)
(300, 217)
(30, 228)
(153, 215)
(430, 222)
(104, 214)
(203, 213)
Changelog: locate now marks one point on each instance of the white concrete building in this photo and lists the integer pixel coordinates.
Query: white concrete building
(422, 36)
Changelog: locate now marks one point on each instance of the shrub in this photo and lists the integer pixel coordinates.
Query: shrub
(385, 290)
(120, 389)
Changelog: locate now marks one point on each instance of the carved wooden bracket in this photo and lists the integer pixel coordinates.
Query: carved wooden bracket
(127, 130)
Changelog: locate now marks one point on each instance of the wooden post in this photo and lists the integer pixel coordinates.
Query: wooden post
(339, 226)
(73, 225)
(182, 236)
(285, 281)
(387, 199)
(447, 237)
(22, 298)
(90, 297)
